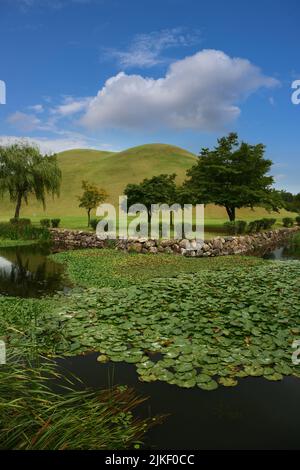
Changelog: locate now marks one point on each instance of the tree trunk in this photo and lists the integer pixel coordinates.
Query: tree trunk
(89, 216)
(18, 206)
(231, 213)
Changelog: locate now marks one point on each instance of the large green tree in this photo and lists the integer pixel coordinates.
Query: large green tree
(24, 171)
(159, 189)
(232, 175)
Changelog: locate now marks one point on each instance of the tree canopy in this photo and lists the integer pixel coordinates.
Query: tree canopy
(232, 175)
(159, 189)
(24, 171)
(92, 196)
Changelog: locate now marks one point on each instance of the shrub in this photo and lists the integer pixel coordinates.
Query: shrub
(287, 222)
(22, 221)
(267, 223)
(55, 223)
(94, 223)
(45, 222)
(252, 226)
(241, 226)
(229, 227)
(297, 220)
(238, 227)
(24, 232)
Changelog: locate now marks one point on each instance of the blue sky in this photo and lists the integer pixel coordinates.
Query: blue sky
(112, 74)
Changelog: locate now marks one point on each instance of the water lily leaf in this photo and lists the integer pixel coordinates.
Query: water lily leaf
(211, 385)
(228, 381)
(102, 358)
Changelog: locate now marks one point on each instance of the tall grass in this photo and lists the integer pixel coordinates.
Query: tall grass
(35, 417)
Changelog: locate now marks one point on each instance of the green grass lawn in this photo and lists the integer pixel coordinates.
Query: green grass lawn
(213, 226)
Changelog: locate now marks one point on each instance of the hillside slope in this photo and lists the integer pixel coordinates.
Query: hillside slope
(113, 171)
(109, 170)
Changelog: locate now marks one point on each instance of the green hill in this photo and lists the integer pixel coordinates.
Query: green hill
(113, 171)
(109, 170)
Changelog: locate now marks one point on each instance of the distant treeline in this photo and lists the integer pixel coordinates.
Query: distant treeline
(291, 201)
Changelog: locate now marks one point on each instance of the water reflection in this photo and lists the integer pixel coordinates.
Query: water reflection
(26, 271)
(284, 253)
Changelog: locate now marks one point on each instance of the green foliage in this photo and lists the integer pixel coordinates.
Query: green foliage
(45, 222)
(232, 175)
(55, 223)
(110, 268)
(291, 202)
(91, 197)
(298, 220)
(261, 224)
(23, 232)
(20, 221)
(287, 222)
(268, 223)
(94, 223)
(237, 227)
(24, 171)
(210, 327)
(34, 417)
(159, 189)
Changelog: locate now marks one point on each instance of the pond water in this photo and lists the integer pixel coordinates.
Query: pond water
(256, 414)
(26, 271)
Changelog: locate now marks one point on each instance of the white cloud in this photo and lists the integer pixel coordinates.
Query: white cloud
(146, 49)
(47, 145)
(199, 92)
(23, 121)
(37, 108)
(71, 106)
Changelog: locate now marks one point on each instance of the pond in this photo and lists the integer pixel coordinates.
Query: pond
(256, 414)
(26, 271)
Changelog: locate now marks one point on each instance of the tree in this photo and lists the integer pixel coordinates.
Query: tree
(24, 171)
(232, 175)
(92, 196)
(159, 189)
(291, 202)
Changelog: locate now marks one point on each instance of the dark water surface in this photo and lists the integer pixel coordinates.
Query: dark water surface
(26, 271)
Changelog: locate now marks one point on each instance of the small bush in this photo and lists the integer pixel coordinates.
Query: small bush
(19, 222)
(236, 228)
(267, 223)
(297, 220)
(45, 222)
(229, 227)
(252, 226)
(23, 232)
(55, 223)
(287, 222)
(261, 224)
(94, 223)
(241, 226)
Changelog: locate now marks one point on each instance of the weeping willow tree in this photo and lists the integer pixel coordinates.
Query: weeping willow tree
(24, 171)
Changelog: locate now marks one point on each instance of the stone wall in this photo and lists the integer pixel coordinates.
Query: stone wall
(219, 246)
